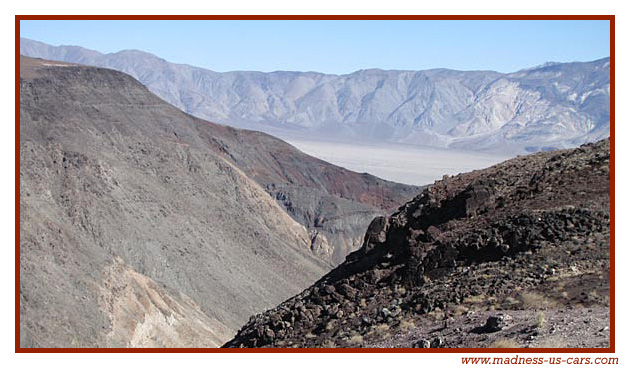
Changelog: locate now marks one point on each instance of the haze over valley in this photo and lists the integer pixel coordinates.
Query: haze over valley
(401, 163)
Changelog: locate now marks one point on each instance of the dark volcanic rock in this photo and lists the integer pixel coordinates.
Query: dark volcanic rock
(493, 324)
(520, 235)
(423, 344)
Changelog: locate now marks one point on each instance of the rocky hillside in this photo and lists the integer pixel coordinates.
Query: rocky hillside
(516, 255)
(554, 105)
(141, 225)
(335, 205)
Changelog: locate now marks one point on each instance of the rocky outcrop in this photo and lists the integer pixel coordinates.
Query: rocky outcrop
(530, 233)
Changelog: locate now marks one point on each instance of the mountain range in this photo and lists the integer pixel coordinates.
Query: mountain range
(554, 105)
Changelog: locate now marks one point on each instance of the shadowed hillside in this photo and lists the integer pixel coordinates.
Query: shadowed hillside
(144, 226)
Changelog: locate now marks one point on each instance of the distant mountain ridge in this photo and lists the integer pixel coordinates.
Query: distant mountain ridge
(554, 105)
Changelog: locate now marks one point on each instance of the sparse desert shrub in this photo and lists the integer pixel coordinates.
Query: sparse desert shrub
(437, 314)
(510, 301)
(356, 340)
(540, 320)
(381, 329)
(406, 325)
(532, 300)
(505, 344)
(475, 299)
(460, 310)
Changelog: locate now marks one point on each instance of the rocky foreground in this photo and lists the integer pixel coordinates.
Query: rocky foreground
(516, 255)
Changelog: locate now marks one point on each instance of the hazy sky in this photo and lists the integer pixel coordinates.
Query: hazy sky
(339, 46)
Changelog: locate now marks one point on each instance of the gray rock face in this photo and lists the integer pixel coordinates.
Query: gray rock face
(552, 106)
(144, 226)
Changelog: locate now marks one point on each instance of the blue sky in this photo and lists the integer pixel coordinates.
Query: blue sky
(339, 46)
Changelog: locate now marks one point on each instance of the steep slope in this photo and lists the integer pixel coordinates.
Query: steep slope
(553, 105)
(143, 226)
(336, 205)
(525, 241)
